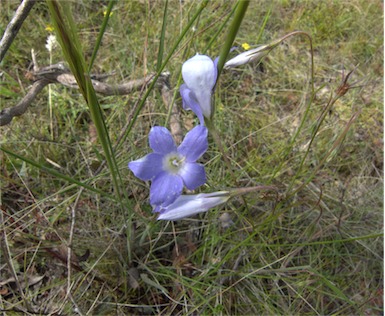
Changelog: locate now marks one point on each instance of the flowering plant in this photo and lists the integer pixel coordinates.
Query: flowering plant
(169, 167)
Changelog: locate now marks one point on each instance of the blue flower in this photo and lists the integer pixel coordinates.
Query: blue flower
(188, 205)
(200, 76)
(169, 167)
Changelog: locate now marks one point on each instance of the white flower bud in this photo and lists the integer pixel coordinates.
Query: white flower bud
(200, 75)
(248, 56)
(188, 205)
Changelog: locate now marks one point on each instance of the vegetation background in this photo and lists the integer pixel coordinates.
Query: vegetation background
(315, 248)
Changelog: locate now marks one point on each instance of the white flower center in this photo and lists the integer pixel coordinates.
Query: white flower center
(173, 162)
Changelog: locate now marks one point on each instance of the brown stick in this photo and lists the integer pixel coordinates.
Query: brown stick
(7, 114)
(58, 73)
(14, 26)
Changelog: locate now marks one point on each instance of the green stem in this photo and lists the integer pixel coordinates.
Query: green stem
(233, 30)
(101, 33)
(218, 141)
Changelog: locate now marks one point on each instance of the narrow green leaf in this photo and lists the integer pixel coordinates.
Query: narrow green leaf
(215, 37)
(233, 30)
(262, 29)
(332, 286)
(162, 38)
(101, 33)
(70, 43)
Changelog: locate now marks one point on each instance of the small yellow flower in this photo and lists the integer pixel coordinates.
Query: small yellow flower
(105, 13)
(246, 46)
(49, 28)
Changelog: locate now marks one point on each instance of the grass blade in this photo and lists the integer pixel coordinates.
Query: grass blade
(101, 33)
(162, 36)
(233, 30)
(68, 38)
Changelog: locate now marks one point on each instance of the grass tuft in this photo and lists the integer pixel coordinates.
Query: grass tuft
(78, 235)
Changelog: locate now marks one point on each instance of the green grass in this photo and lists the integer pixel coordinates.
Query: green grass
(315, 249)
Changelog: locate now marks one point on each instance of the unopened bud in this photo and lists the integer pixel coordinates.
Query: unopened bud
(251, 55)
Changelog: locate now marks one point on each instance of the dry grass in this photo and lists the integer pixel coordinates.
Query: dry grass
(315, 249)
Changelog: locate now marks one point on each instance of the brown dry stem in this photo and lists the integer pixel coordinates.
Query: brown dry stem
(59, 74)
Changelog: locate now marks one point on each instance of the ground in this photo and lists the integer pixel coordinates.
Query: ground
(314, 246)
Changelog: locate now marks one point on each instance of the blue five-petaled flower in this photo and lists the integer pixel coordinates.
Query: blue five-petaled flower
(200, 76)
(169, 167)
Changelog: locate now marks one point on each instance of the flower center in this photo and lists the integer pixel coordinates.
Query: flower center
(173, 162)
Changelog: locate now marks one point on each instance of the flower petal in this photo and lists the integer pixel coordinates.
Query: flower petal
(161, 141)
(165, 189)
(194, 144)
(190, 102)
(193, 175)
(188, 205)
(147, 167)
(200, 74)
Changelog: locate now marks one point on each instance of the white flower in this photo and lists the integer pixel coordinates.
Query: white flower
(248, 56)
(200, 75)
(51, 43)
(188, 205)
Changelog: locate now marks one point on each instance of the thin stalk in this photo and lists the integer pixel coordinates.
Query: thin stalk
(215, 37)
(233, 30)
(218, 141)
(262, 29)
(50, 99)
(162, 37)
(101, 33)
(337, 142)
(311, 98)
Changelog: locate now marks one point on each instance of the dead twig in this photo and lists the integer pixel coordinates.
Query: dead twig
(59, 74)
(7, 114)
(14, 26)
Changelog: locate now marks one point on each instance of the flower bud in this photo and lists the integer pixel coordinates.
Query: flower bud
(248, 56)
(200, 75)
(188, 205)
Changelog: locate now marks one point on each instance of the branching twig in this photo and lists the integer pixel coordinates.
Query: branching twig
(14, 26)
(58, 73)
(7, 114)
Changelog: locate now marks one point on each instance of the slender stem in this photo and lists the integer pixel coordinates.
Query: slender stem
(162, 37)
(242, 191)
(218, 141)
(233, 30)
(50, 99)
(101, 33)
(312, 95)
